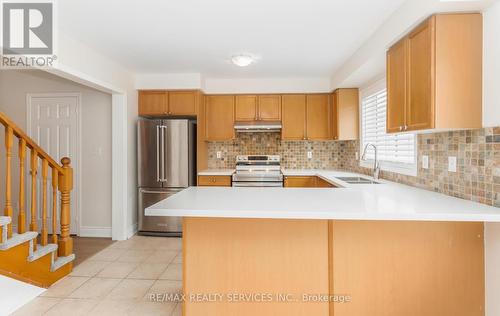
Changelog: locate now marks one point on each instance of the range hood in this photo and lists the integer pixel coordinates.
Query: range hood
(257, 127)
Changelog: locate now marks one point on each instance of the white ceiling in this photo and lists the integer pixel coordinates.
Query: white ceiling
(294, 38)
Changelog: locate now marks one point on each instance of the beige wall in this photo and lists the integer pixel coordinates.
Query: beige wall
(96, 140)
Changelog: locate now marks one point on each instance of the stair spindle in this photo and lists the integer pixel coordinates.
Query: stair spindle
(9, 133)
(54, 206)
(65, 187)
(21, 219)
(45, 168)
(34, 167)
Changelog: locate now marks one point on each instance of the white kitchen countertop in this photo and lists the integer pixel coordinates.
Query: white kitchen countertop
(216, 172)
(385, 201)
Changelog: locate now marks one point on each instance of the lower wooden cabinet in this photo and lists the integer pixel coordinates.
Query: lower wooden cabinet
(306, 182)
(214, 181)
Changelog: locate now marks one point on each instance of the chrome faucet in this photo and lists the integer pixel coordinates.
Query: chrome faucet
(376, 165)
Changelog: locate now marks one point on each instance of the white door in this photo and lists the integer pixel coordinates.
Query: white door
(53, 123)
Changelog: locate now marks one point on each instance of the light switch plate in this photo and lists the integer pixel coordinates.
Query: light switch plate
(425, 162)
(219, 155)
(452, 164)
(309, 155)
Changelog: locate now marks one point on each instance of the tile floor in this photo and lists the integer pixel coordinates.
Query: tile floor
(117, 280)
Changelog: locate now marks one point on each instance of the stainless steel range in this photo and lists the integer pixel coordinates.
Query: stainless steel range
(258, 171)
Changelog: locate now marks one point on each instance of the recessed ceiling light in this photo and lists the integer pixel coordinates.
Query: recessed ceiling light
(242, 60)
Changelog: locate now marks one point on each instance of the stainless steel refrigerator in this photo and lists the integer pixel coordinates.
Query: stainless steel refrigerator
(166, 166)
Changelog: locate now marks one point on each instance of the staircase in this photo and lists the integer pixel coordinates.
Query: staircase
(27, 255)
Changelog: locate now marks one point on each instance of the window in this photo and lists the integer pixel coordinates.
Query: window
(396, 152)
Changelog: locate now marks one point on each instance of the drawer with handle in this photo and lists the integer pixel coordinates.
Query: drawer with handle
(214, 181)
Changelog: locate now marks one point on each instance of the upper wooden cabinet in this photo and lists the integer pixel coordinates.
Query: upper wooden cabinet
(258, 108)
(219, 117)
(153, 103)
(306, 117)
(434, 75)
(293, 117)
(269, 107)
(246, 108)
(396, 84)
(345, 114)
(183, 102)
(318, 117)
(161, 103)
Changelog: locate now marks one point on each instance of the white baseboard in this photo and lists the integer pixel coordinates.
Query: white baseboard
(132, 230)
(95, 231)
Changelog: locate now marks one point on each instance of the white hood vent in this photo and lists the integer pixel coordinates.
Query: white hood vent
(257, 127)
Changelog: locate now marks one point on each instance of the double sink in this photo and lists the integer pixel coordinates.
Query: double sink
(357, 180)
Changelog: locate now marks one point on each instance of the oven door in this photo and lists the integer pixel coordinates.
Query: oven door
(258, 184)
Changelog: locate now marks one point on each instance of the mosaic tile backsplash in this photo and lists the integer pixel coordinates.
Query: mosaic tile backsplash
(477, 151)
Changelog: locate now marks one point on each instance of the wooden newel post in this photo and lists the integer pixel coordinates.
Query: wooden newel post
(65, 186)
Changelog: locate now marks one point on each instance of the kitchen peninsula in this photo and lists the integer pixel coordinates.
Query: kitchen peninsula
(389, 248)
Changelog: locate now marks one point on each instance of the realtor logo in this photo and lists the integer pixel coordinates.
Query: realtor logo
(27, 34)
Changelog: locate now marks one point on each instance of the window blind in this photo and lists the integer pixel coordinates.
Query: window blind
(396, 148)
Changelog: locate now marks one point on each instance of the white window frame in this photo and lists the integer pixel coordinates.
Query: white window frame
(401, 168)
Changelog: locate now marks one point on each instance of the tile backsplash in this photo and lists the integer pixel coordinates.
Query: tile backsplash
(477, 151)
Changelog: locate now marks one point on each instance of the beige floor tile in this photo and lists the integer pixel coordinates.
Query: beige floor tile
(177, 310)
(118, 270)
(129, 289)
(95, 288)
(89, 268)
(161, 287)
(173, 272)
(135, 255)
(178, 258)
(162, 256)
(36, 307)
(150, 308)
(149, 271)
(73, 307)
(170, 243)
(111, 308)
(65, 286)
(107, 254)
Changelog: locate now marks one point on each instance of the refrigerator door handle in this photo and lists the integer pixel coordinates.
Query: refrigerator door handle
(158, 154)
(162, 142)
(165, 153)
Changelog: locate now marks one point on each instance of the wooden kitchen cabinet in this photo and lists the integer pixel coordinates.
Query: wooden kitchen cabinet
(434, 75)
(163, 103)
(246, 108)
(183, 102)
(153, 103)
(293, 117)
(396, 84)
(306, 182)
(214, 181)
(269, 108)
(300, 181)
(258, 108)
(219, 117)
(345, 122)
(318, 117)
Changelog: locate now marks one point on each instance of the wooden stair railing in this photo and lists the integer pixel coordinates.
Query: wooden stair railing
(62, 180)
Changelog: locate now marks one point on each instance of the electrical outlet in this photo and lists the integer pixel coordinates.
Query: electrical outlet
(219, 154)
(425, 162)
(452, 164)
(357, 155)
(309, 155)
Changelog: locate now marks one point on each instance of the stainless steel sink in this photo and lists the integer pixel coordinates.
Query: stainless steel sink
(357, 180)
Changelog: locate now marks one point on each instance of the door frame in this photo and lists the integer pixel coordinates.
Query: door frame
(78, 169)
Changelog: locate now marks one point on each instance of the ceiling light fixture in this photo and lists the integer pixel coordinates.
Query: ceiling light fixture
(242, 60)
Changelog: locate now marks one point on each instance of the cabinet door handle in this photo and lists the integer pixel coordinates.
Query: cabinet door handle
(400, 128)
(406, 127)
